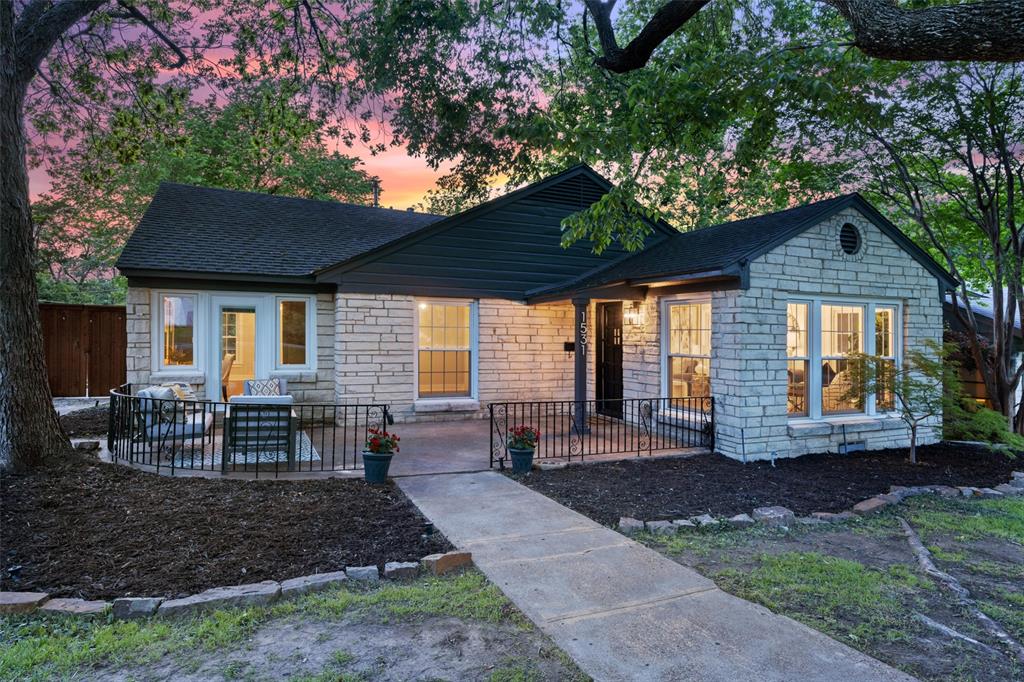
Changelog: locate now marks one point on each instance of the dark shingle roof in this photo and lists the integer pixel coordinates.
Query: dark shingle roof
(721, 246)
(203, 229)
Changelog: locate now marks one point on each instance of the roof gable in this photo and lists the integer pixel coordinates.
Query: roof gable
(500, 249)
(188, 229)
(727, 248)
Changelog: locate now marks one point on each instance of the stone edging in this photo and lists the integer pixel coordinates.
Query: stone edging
(780, 516)
(253, 594)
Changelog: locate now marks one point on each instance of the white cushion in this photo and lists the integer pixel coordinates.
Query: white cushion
(261, 400)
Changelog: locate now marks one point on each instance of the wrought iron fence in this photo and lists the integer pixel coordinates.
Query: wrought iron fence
(203, 435)
(572, 430)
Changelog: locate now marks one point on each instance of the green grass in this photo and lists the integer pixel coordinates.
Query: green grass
(843, 598)
(967, 520)
(514, 670)
(704, 541)
(467, 595)
(42, 647)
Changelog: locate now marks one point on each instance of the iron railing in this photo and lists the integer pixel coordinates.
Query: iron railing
(573, 430)
(203, 435)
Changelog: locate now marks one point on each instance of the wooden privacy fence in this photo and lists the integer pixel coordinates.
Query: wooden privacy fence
(85, 347)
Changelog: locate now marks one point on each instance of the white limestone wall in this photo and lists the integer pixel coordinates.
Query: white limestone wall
(748, 361)
(520, 355)
(748, 366)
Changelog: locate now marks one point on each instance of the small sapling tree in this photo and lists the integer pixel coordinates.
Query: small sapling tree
(919, 390)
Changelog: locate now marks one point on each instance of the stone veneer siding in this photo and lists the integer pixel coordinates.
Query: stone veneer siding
(748, 359)
(307, 386)
(521, 355)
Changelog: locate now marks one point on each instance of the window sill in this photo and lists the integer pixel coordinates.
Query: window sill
(194, 376)
(427, 405)
(803, 427)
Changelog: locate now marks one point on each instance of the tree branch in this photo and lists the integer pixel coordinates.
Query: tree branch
(134, 12)
(39, 27)
(666, 21)
(990, 31)
(986, 31)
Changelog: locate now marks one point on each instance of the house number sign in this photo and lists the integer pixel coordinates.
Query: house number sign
(584, 328)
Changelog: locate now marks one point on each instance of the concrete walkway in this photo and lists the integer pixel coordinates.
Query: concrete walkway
(621, 610)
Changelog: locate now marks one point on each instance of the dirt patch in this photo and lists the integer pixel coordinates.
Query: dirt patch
(672, 488)
(92, 421)
(428, 649)
(87, 529)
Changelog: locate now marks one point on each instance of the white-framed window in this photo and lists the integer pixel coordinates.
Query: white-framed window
(294, 333)
(445, 348)
(798, 358)
(822, 334)
(686, 340)
(885, 348)
(192, 331)
(178, 323)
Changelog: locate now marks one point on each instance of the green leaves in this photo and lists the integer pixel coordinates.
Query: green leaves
(262, 139)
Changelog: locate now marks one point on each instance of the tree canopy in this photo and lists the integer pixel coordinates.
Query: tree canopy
(258, 139)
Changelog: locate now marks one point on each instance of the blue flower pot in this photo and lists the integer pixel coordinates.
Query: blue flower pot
(522, 460)
(375, 467)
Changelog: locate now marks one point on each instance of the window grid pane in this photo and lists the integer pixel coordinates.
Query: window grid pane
(689, 350)
(179, 329)
(885, 332)
(841, 330)
(444, 350)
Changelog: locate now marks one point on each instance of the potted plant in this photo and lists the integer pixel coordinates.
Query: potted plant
(522, 441)
(380, 447)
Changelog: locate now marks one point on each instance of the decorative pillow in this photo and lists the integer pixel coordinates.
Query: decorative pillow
(264, 387)
(170, 410)
(182, 391)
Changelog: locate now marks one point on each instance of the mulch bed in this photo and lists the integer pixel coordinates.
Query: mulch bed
(653, 489)
(92, 421)
(86, 529)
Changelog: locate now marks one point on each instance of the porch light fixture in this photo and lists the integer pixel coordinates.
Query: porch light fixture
(634, 315)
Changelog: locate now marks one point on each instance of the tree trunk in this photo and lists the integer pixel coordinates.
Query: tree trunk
(913, 443)
(29, 430)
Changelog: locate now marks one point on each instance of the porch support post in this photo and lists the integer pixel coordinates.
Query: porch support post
(580, 375)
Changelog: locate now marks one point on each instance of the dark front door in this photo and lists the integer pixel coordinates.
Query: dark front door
(609, 359)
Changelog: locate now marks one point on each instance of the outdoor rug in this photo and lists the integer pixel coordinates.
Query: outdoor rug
(212, 457)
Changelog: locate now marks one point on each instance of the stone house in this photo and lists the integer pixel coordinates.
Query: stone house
(440, 316)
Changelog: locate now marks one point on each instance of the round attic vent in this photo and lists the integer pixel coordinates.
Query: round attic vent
(849, 239)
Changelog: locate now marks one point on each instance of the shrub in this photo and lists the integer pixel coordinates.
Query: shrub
(982, 424)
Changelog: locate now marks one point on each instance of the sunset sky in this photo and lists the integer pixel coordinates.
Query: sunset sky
(404, 179)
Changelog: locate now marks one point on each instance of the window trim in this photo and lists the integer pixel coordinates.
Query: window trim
(474, 349)
(814, 343)
(665, 338)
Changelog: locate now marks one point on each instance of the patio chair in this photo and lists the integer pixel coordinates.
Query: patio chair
(261, 429)
(272, 387)
(161, 422)
(225, 373)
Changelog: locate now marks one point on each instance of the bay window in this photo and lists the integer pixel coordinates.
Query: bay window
(821, 337)
(444, 349)
(688, 361)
